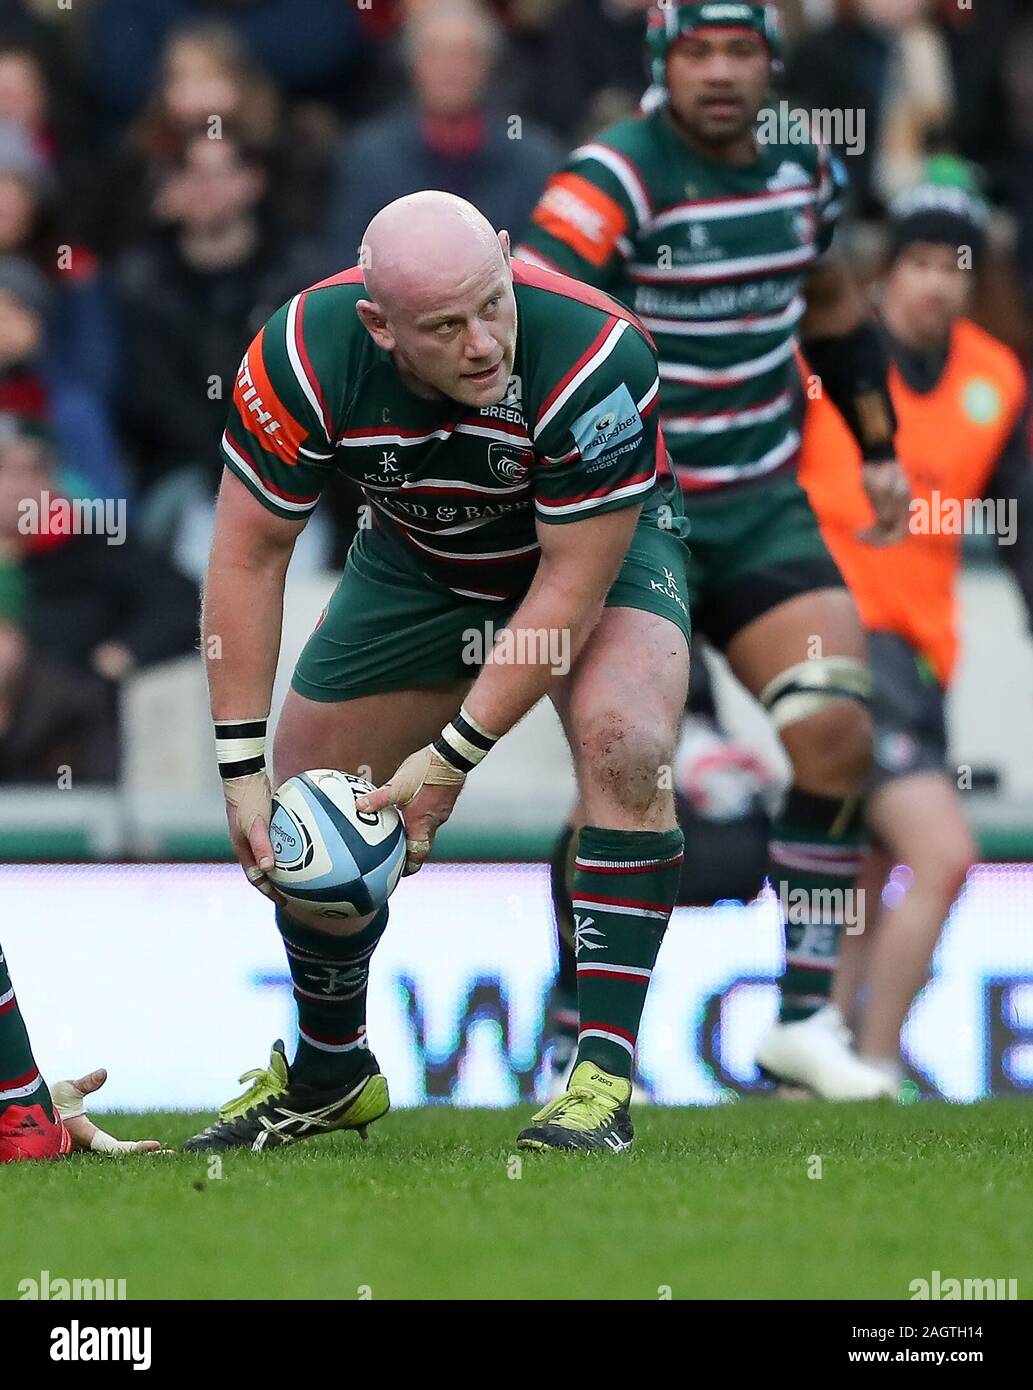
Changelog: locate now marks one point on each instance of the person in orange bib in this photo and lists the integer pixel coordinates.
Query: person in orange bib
(960, 399)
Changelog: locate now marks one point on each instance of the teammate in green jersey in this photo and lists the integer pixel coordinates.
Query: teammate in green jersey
(715, 227)
(502, 424)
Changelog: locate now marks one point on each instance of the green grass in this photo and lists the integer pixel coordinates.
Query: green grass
(713, 1203)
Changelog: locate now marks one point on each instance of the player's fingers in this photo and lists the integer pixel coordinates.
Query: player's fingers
(259, 880)
(107, 1144)
(261, 846)
(68, 1098)
(376, 800)
(91, 1082)
(416, 853)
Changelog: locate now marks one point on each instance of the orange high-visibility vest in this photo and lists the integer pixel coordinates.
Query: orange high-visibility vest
(948, 442)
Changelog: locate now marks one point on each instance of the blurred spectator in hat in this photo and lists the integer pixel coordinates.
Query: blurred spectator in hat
(30, 386)
(446, 134)
(310, 47)
(80, 341)
(53, 721)
(93, 597)
(887, 59)
(191, 296)
(208, 83)
(592, 68)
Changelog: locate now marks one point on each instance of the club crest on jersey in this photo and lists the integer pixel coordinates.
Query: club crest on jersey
(789, 175)
(509, 463)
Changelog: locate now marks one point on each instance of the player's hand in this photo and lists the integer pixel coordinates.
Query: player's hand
(68, 1098)
(249, 807)
(427, 787)
(889, 492)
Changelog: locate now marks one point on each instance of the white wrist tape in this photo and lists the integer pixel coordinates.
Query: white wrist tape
(464, 743)
(240, 746)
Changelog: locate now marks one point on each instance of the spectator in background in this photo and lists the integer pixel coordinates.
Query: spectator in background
(94, 599)
(888, 60)
(592, 68)
(52, 721)
(1012, 152)
(76, 616)
(39, 94)
(447, 135)
(28, 387)
(310, 47)
(191, 296)
(207, 84)
(80, 340)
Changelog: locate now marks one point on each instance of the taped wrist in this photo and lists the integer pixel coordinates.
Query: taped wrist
(854, 371)
(463, 743)
(240, 746)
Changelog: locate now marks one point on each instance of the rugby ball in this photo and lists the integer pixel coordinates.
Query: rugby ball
(330, 857)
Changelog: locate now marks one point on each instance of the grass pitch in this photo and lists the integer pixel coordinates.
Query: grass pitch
(719, 1203)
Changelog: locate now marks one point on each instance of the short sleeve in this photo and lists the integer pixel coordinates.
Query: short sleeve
(275, 442)
(586, 220)
(597, 436)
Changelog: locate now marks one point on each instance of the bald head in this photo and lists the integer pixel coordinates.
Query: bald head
(440, 296)
(425, 246)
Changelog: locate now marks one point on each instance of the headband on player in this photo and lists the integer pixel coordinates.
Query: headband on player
(670, 22)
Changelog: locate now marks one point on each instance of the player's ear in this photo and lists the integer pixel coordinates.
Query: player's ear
(506, 243)
(375, 324)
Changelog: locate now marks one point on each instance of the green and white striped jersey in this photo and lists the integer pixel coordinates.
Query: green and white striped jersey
(712, 258)
(461, 489)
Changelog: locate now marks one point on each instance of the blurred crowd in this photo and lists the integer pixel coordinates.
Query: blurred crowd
(173, 170)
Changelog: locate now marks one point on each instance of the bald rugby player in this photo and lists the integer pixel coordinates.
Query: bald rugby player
(502, 424)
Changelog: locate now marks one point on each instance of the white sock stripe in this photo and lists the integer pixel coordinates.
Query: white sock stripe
(328, 962)
(6, 998)
(330, 999)
(581, 863)
(360, 1041)
(805, 962)
(636, 972)
(817, 851)
(609, 1037)
(19, 1092)
(835, 868)
(619, 908)
(806, 1001)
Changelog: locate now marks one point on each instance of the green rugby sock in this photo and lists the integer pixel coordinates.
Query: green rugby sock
(625, 885)
(562, 1008)
(20, 1081)
(330, 975)
(814, 858)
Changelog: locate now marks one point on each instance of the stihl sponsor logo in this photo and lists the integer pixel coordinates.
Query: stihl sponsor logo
(571, 209)
(252, 401)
